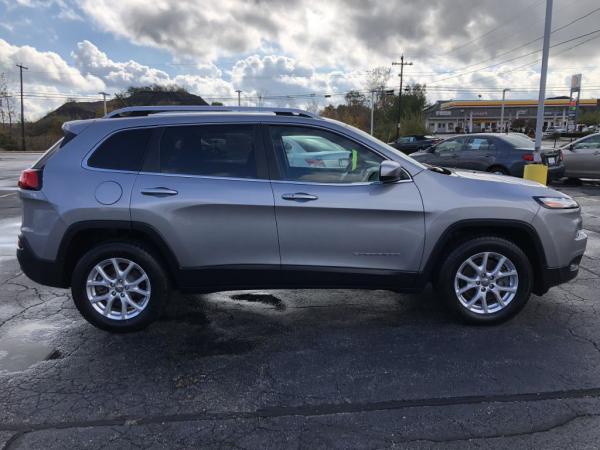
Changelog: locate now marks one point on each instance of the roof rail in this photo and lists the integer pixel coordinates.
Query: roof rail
(137, 111)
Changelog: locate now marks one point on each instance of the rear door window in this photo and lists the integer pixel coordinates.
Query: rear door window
(483, 144)
(124, 150)
(450, 146)
(208, 150)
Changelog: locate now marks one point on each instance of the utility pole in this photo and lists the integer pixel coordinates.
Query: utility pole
(239, 93)
(401, 64)
(104, 94)
(372, 108)
(21, 68)
(540, 111)
(502, 110)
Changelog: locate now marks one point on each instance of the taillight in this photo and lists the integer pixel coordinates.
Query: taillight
(31, 179)
(527, 157)
(561, 157)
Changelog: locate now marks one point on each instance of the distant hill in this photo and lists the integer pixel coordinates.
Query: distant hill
(145, 96)
(42, 133)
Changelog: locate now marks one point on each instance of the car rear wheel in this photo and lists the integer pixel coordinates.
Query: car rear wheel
(486, 280)
(119, 287)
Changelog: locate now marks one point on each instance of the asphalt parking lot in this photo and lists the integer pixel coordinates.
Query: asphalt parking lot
(309, 369)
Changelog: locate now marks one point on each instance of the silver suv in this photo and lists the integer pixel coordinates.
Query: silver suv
(126, 208)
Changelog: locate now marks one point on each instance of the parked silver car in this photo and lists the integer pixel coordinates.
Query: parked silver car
(582, 157)
(126, 208)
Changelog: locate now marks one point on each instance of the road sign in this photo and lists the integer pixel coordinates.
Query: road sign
(576, 82)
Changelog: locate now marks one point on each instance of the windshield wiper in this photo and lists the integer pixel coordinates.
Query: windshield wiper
(438, 169)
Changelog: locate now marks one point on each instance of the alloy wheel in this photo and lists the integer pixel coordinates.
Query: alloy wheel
(486, 282)
(118, 288)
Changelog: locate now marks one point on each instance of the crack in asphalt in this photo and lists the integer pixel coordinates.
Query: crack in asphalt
(326, 409)
(466, 437)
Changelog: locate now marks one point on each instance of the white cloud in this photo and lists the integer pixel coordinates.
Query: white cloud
(349, 35)
(48, 75)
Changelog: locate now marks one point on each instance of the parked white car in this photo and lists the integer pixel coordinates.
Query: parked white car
(314, 151)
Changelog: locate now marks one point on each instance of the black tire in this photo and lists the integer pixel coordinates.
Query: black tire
(158, 279)
(444, 283)
(499, 170)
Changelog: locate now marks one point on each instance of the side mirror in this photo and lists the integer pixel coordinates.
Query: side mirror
(390, 171)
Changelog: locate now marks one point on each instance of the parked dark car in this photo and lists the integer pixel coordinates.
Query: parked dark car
(414, 143)
(505, 154)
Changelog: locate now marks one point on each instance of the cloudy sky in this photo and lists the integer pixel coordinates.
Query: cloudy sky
(293, 52)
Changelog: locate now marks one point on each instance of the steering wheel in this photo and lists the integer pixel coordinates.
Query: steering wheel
(366, 171)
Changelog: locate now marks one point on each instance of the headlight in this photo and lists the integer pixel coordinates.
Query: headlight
(557, 202)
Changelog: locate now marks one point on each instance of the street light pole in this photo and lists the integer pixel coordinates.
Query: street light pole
(540, 111)
(504, 91)
(372, 108)
(104, 94)
(239, 93)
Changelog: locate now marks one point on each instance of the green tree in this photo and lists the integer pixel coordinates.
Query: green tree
(590, 118)
(356, 111)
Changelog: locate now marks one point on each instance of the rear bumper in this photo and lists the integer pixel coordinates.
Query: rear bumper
(555, 276)
(556, 172)
(42, 271)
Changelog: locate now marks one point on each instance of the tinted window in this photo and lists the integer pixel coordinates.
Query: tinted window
(591, 142)
(481, 144)
(122, 151)
(450, 145)
(210, 150)
(519, 141)
(313, 155)
(40, 163)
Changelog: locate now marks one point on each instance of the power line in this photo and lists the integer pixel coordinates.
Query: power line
(517, 57)
(533, 41)
(516, 17)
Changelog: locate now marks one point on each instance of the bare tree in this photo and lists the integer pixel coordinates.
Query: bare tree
(377, 79)
(313, 106)
(7, 110)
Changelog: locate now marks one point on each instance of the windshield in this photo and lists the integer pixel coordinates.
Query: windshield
(519, 141)
(389, 148)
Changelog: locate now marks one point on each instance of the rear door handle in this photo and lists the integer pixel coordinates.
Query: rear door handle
(299, 197)
(159, 192)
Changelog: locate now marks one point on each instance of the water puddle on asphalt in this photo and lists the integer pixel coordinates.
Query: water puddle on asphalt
(17, 355)
(265, 299)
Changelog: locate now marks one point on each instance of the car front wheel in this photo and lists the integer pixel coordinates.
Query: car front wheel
(486, 280)
(119, 287)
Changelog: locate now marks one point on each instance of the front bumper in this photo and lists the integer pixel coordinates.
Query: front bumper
(42, 271)
(550, 277)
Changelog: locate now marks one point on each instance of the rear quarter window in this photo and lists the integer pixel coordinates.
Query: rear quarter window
(123, 150)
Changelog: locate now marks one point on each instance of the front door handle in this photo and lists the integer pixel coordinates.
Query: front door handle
(299, 197)
(159, 192)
